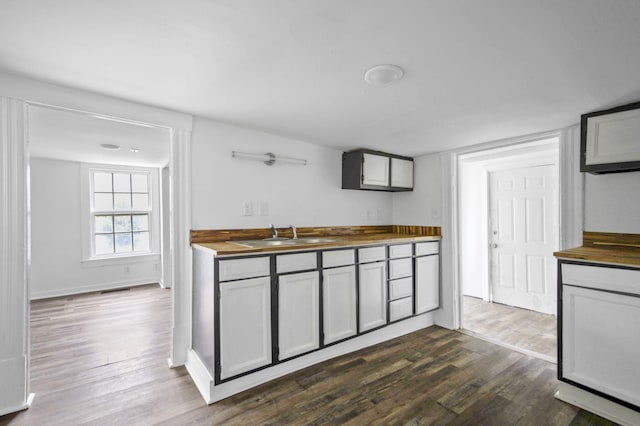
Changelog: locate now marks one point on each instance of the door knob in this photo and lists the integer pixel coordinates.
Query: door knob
(494, 245)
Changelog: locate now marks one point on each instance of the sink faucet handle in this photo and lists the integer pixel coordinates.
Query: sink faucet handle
(274, 231)
(295, 232)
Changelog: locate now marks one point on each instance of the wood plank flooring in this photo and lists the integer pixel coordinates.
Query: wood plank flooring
(101, 359)
(523, 328)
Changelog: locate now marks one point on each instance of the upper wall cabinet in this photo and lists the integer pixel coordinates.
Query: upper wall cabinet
(377, 171)
(610, 140)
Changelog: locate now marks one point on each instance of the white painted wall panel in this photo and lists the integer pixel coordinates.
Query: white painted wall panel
(308, 195)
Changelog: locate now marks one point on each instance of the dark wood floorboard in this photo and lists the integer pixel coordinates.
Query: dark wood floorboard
(101, 359)
(525, 329)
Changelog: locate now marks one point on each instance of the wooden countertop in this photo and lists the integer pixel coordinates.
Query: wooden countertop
(229, 248)
(607, 248)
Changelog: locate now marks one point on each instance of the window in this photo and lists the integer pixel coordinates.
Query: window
(120, 212)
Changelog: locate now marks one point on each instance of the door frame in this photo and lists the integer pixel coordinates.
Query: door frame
(474, 180)
(571, 218)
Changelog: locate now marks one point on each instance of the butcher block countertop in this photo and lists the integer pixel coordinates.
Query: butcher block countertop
(218, 241)
(608, 248)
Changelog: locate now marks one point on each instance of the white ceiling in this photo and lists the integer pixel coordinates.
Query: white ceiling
(74, 136)
(475, 70)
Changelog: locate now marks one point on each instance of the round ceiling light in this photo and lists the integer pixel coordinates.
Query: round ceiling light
(110, 146)
(383, 74)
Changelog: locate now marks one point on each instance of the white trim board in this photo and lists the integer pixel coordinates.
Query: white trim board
(69, 291)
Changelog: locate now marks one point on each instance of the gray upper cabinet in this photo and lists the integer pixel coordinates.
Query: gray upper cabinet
(610, 140)
(377, 171)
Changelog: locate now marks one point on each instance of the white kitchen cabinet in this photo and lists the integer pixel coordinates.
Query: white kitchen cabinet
(401, 308)
(298, 313)
(427, 283)
(245, 325)
(401, 173)
(600, 318)
(372, 295)
(339, 303)
(609, 140)
(375, 170)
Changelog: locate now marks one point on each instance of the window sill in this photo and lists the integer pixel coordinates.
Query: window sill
(94, 262)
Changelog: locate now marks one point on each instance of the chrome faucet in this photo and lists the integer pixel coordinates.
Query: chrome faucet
(295, 232)
(274, 231)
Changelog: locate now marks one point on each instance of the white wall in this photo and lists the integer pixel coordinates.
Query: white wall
(422, 206)
(56, 239)
(298, 195)
(612, 203)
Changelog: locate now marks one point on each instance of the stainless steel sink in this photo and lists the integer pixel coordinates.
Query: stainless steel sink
(277, 242)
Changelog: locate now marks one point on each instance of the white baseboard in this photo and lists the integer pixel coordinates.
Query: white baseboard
(600, 406)
(45, 294)
(212, 393)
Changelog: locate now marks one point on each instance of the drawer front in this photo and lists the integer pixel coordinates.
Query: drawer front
(400, 288)
(423, 249)
(602, 278)
(402, 250)
(401, 308)
(338, 258)
(296, 262)
(400, 268)
(251, 267)
(371, 254)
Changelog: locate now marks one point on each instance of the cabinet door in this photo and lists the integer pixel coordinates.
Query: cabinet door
(373, 295)
(245, 325)
(375, 169)
(600, 341)
(427, 283)
(339, 303)
(298, 313)
(401, 173)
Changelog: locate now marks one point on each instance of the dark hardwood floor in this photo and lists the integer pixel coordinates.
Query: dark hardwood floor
(102, 359)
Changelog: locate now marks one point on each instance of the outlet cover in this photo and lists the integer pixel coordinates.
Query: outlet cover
(247, 208)
(264, 208)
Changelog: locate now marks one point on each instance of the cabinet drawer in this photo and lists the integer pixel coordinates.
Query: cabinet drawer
(423, 249)
(602, 278)
(400, 268)
(400, 288)
(371, 254)
(400, 308)
(249, 267)
(296, 262)
(337, 258)
(402, 250)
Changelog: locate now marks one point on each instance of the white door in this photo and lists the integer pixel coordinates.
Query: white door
(298, 313)
(375, 169)
(245, 325)
(427, 283)
(373, 295)
(523, 237)
(339, 303)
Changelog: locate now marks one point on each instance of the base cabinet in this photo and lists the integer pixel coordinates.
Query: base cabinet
(339, 303)
(373, 295)
(298, 314)
(245, 326)
(427, 282)
(599, 343)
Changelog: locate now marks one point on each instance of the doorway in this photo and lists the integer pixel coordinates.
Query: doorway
(99, 218)
(508, 230)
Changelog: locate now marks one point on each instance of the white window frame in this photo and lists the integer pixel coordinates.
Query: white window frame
(89, 212)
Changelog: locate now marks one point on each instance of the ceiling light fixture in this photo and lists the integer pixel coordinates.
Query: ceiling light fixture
(109, 146)
(134, 149)
(381, 75)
